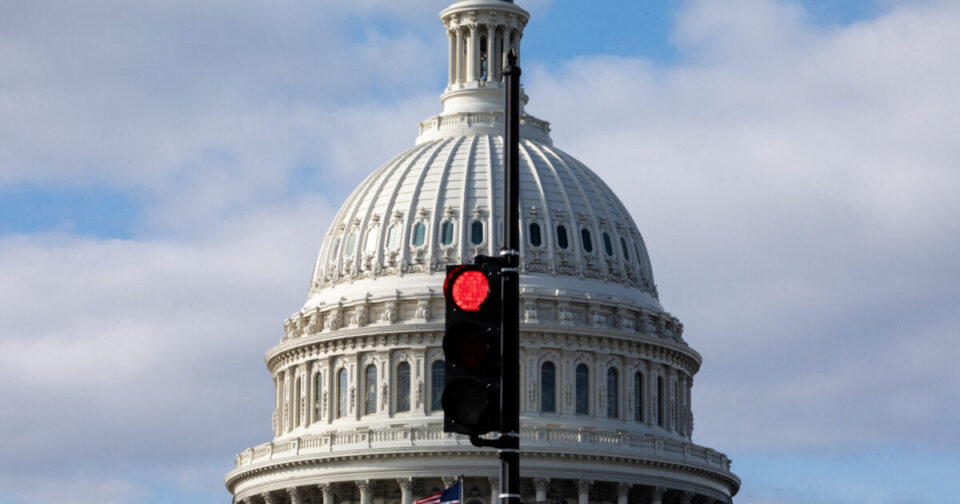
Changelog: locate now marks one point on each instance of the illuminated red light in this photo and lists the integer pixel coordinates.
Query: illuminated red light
(470, 289)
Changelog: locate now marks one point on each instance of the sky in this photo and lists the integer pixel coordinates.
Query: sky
(168, 170)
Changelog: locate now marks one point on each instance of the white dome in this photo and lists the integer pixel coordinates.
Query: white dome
(441, 201)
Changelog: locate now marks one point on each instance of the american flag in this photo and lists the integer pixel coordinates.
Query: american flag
(448, 496)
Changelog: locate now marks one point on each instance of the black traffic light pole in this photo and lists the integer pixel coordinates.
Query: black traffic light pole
(509, 449)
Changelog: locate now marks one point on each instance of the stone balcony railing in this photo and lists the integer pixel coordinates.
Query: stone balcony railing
(609, 443)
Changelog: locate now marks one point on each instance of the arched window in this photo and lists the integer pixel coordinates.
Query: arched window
(370, 390)
(548, 388)
(583, 391)
(419, 232)
(612, 393)
(351, 243)
(476, 232)
(403, 387)
(317, 395)
(535, 239)
(436, 385)
(661, 403)
(623, 245)
(585, 240)
(342, 393)
(562, 237)
(638, 396)
(446, 233)
(607, 244)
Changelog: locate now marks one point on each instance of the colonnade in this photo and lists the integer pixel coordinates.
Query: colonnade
(617, 390)
(478, 52)
(406, 490)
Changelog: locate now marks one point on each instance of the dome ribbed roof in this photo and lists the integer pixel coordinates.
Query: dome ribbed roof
(441, 202)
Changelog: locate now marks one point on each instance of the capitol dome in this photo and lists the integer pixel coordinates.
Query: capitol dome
(606, 376)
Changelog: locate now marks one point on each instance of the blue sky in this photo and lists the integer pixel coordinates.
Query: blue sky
(168, 170)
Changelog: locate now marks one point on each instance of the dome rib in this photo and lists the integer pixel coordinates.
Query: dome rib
(414, 197)
(535, 172)
(491, 196)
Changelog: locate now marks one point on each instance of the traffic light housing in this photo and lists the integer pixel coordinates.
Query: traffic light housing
(471, 347)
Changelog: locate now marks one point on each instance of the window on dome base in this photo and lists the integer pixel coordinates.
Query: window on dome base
(583, 392)
(403, 387)
(548, 388)
(436, 385)
(607, 245)
(317, 395)
(612, 395)
(419, 234)
(562, 241)
(476, 232)
(585, 240)
(446, 233)
(342, 393)
(638, 396)
(535, 239)
(626, 253)
(370, 390)
(661, 403)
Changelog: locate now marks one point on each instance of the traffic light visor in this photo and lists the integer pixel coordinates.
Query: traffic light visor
(470, 289)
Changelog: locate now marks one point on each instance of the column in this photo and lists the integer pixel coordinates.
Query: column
(491, 52)
(295, 496)
(452, 58)
(326, 491)
(459, 56)
(473, 48)
(366, 493)
(406, 486)
(494, 489)
(656, 495)
(623, 492)
(473, 54)
(541, 485)
(583, 486)
(504, 48)
(267, 498)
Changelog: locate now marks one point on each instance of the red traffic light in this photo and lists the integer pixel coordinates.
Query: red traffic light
(469, 290)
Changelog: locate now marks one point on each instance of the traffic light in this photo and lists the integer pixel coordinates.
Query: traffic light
(471, 347)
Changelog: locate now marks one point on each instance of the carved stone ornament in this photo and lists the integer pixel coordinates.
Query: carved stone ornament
(564, 315)
(419, 392)
(353, 397)
(530, 312)
(335, 318)
(423, 309)
(389, 314)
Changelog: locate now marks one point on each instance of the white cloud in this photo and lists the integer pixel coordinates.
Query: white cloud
(797, 194)
(799, 199)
